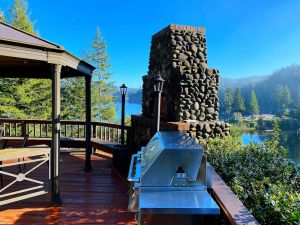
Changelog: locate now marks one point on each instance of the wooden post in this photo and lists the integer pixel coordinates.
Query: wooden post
(88, 118)
(55, 151)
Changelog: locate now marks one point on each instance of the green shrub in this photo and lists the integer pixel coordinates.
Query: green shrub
(284, 204)
(256, 173)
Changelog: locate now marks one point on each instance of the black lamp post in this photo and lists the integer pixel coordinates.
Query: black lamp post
(123, 90)
(158, 84)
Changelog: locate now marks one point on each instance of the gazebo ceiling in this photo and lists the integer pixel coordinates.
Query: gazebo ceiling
(28, 56)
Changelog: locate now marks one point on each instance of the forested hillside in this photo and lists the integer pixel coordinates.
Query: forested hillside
(134, 95)
(226, 82)
(282, 87)
(277, 94)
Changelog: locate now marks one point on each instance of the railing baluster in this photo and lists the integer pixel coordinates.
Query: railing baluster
(117, 137)
(40, 129)
(34, 131)
(100, 132)
(113, 134)
(65, 130)
(105, 138)
(4, 132)
(71, 130)
(15, 129)
(9, 129)
(109, 134)
(78, 130)
(84, 135)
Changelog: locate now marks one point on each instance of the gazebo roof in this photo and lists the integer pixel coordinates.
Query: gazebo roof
(25, 55)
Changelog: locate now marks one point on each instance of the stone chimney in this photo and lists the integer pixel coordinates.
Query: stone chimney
(190, 93)
(191, 88)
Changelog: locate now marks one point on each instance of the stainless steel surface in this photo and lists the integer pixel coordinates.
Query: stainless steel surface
(177, 202)
(134, 198)
(209, 171)
(169, 176)
(167, 152)
(134, 170)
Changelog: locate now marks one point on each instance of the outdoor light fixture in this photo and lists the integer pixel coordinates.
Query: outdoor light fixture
(123, 90)
(158, 84)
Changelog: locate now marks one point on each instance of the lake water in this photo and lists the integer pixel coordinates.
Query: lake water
(288, 139)
(130, 109)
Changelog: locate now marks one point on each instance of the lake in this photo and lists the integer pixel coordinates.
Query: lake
(288, 139)
(130, 109)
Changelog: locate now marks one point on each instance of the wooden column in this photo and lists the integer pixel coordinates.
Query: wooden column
(88, 117)
(55, 151)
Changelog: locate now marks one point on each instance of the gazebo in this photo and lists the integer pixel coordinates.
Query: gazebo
(23, 55)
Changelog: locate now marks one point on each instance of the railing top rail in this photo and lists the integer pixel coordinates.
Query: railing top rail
(70, 122)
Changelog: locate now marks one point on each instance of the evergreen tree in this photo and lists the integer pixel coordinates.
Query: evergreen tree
(73, 99)
(239, 102)
(228, 103)
(282, 99)
(2, 17)
(18, 16)
(102, 88)
(24, 98)
(297, 103)
(253, 106)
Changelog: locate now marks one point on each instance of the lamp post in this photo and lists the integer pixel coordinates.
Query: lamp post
(158, 84)
(123, 90)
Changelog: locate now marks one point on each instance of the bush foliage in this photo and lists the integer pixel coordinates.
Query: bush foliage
(260, 175)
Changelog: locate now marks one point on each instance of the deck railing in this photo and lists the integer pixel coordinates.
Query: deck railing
(69, 129)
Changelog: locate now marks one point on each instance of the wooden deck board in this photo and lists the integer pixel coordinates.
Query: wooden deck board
(98, 197)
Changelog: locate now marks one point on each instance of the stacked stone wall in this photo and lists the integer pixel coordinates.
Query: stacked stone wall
(190, 92)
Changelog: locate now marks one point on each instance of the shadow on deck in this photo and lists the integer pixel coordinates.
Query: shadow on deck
(98, 197)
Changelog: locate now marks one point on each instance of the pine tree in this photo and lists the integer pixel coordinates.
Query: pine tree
(2, 17)
(24, 98)
(282, 99)
(253, 106)
(19, 17)
(228, 103)
(239, 102)
(297, 103)
(73, 99)
(102, 88)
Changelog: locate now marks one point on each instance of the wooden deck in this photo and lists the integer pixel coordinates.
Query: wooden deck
(98, 197)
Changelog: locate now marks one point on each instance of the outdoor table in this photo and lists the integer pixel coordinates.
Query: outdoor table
(37, 155)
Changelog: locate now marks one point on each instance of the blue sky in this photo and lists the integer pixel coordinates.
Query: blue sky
(244, 37)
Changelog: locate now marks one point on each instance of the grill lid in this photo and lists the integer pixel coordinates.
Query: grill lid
(169, 157)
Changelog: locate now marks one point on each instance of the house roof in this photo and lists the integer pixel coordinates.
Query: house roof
(22, 52)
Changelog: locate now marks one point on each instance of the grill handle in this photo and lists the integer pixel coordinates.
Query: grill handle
(130, 177)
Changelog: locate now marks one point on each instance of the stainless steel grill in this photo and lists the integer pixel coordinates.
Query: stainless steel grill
(169, 177)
